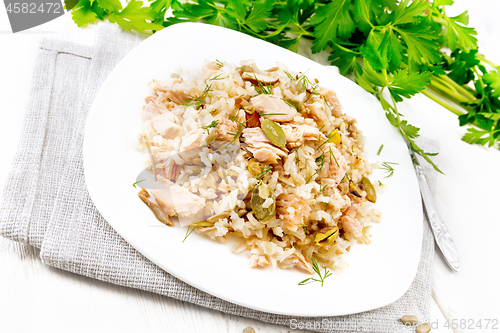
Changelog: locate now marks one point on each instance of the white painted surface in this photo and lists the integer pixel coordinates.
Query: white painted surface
(34, 297)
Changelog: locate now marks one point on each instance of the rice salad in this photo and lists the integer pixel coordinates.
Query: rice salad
(264, 156)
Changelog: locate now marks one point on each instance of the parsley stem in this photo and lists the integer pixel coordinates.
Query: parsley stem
(427, 93)
(484, 60)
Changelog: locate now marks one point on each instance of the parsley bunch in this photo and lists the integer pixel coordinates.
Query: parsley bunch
(392, 48)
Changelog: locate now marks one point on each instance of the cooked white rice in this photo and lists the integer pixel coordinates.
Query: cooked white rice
(203, 130)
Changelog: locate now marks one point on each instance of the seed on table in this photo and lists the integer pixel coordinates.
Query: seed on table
(409, 319)
(248, 330)
(424, 328)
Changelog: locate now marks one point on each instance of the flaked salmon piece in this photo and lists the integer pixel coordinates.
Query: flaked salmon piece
(265, 104)
(177, 200)
(150, 111)
(293, 210)
(352, 225)
(350, 222)
(301, 262)
(165, 127)
(258, 260)
(160, 214)
(318, 110)
(260, 146)
(353, 211)
(296, 134)
(190, 147)
(212, 65)
(337, 164)
(165, 166)
(226, 128)
(332, 98)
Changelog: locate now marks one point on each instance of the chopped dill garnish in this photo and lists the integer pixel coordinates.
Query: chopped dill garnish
(326, 103)
(333, 156)
(388, 168)
(289, 76)
(317, 270)
(290, 104)
(138, 182)
(189, 231)
(296, 151)
(264, 115)
(322, 190)
(380, 183)
(219, 63)
(261, 89)
(304, 227)
(212, 124)
(217, 78)
(197, 101)
(322, 128)
(328, 138)
(380, 149)
(306, 84)
(320, 161)
(235, 135)
(346, 175)
(263, 172)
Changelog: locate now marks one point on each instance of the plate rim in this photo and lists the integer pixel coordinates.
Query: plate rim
(133, 242)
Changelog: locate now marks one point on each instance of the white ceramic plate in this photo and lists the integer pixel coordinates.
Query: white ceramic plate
(378, 274)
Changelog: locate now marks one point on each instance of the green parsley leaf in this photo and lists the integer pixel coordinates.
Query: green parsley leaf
(405, 84)
(135, 17)
(329, 21)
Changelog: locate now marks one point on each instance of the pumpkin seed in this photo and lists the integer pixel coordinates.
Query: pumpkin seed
(326, 236)
(248, 330)
(210, 221)
(274, 132)
(260, 193)
(212, 136)
(409, 319)
(254, 167)
(354, 189)
(371, 194)
(424, 328)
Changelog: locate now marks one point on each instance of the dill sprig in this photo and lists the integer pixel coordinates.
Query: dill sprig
(189, 231)
(304, 227)
(266, 89)
(380, 150)
(317, 270)
(333, 156)
(217, 78)
(264, 115)
(235, 135)
(197, 101)
(214, 123)
(289, 75)
(138, 182)
(346, 175)
(320, 161)
(290, 104)
(328, 138)
(263, 172)
(388, 168)
(219, 63)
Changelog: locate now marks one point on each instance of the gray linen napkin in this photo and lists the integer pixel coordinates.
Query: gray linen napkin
(46, 203)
